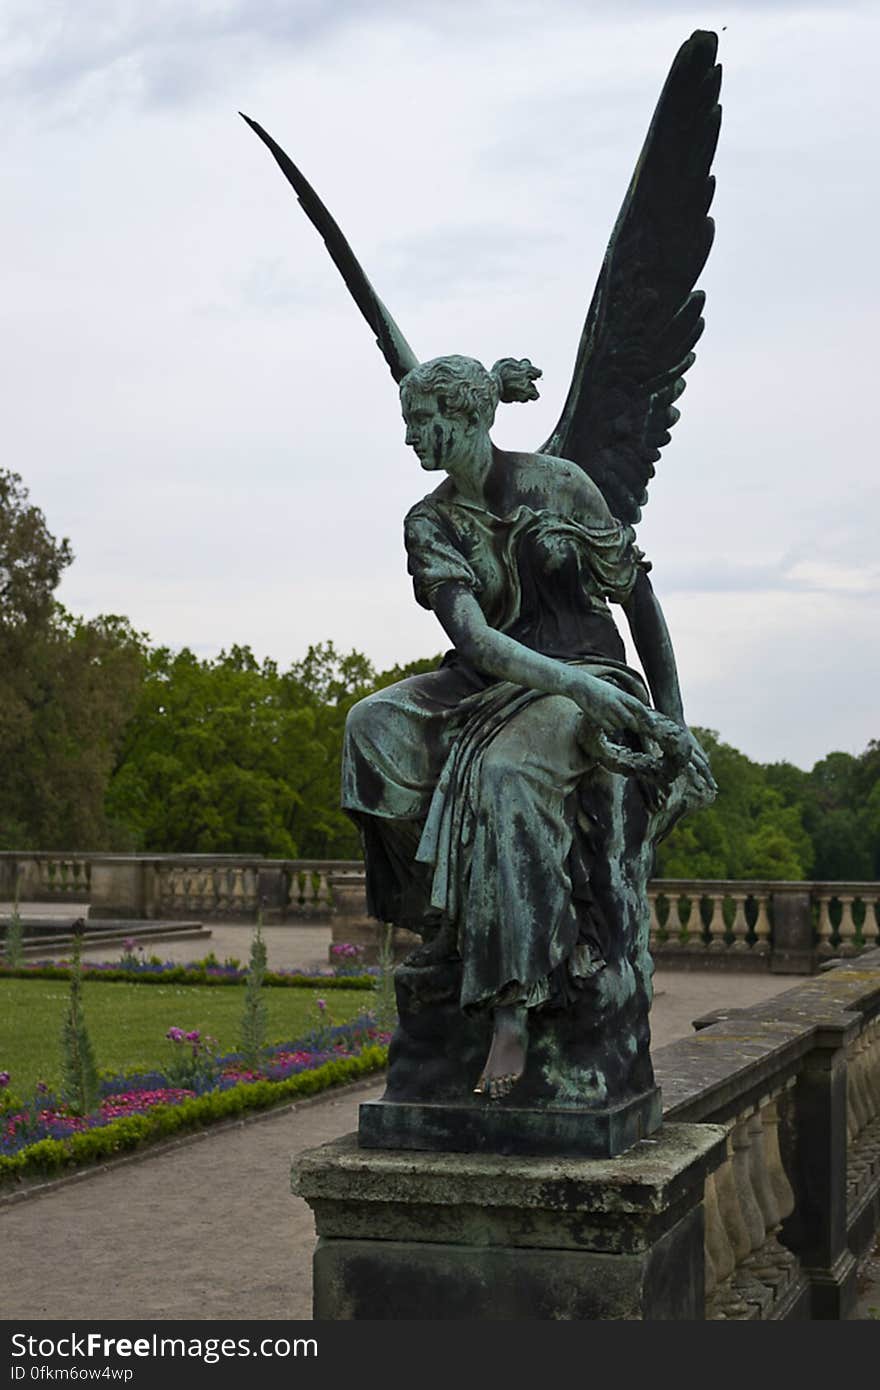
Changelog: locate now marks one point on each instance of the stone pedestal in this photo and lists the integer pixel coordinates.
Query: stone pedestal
(118, 888)
(351, 924)
(793, 952)
(501, 1128)
(476, 1236)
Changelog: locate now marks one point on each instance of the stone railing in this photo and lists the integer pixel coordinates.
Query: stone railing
(796, 1083)
(175, 886)
(739, 924)
(753, 924)
(46, 877)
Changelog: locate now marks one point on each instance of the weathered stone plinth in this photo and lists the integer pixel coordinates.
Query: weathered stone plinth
(483, 1236)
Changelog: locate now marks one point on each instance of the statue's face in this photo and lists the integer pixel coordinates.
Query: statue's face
(439, 440)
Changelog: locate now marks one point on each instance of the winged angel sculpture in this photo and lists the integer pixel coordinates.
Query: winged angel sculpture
(510, 801)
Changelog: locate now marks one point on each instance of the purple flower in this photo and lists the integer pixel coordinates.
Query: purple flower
(129, 943)
(194, 1036)
(4, 1078)
(42, 1088)
(322, 1003)
(175, 1035)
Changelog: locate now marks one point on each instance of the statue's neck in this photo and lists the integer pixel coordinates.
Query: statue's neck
(471, 473)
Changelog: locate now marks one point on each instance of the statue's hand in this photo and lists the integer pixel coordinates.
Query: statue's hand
(698, 768)
(664, 745)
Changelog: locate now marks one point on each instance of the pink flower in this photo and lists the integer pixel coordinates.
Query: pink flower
(194, 1036)
(322, 1003)
(175, 1035)
(4, 1078)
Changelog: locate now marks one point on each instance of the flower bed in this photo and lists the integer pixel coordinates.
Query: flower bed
(44, 1137)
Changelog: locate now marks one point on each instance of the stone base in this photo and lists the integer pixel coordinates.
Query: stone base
(487, 1127)
(484, 1236)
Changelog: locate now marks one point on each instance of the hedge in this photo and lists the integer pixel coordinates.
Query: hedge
(50, 1156)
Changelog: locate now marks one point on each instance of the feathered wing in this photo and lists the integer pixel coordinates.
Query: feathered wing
(393, 346)
(645, 317)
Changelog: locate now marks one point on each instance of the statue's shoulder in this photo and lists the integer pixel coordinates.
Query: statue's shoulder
(430, 507)
(564, 487)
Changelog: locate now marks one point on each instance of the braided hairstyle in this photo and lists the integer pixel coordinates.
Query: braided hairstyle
(462, 386)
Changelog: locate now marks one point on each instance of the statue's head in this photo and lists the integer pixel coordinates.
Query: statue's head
(450, 399)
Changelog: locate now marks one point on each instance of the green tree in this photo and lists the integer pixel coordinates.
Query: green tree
(231, 755)
(67, 688)
(748, 832)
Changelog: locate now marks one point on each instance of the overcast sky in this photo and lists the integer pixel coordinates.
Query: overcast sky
(193, 399)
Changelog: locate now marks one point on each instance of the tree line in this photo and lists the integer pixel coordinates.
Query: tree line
(107, 742)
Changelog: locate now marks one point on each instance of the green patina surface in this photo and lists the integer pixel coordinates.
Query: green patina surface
(511, 800)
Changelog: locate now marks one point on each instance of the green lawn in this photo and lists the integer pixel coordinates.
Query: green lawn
(127, 1023)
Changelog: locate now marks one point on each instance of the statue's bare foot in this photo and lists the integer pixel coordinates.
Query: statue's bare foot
(441, 947)
(507, 1053)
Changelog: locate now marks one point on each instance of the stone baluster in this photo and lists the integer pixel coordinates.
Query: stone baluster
(716, 928)
(773, 1264)
(324, 891)
(223, 891)
(852, 1118)
(872, 1068)
(856, 1081)
(782, 1188)
(210, 896)
(237, 891)
(847, 929)
(825, 928)
(729, 1234)
(654, 936)
(762, 926)
(740, 926)
(719, 1251)
(753, 1217)
(760, 1173)
(871, 924)
(193, 897)
(313, 888)
(298, 889)
(181, 888)
(250, 890)
(729, 1206)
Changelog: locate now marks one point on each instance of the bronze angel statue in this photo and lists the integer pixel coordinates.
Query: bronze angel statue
(510, 801)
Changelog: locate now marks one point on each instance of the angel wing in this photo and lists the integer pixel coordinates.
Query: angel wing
(392, 344)
(644, 317)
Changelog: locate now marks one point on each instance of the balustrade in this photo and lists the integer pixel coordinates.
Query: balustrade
(746, 1201)
(717, 919)
(745, 924)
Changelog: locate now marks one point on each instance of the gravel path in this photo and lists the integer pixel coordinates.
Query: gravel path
(207, 1228)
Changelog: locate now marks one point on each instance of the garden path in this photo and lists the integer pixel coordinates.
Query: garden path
(206, 1228)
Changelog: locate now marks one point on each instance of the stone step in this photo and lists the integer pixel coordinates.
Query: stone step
(55, 936)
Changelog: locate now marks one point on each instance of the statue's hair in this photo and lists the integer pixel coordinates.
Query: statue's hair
(462, 385)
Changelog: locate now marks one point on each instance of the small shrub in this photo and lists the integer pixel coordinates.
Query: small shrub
(78, 1070)
(254, 1014)
(192, 1065)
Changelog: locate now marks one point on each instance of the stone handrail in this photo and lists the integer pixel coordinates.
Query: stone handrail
(796, 1082)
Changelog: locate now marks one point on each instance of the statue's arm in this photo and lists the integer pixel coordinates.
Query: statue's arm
(496, 654)
(654, 646)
